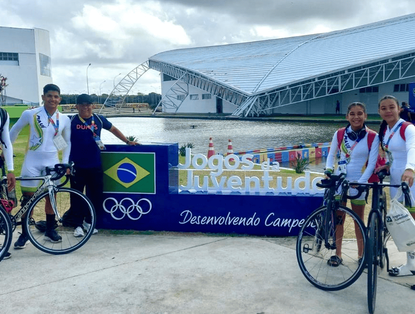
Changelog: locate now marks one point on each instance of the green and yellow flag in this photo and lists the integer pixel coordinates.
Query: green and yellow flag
(129, 172)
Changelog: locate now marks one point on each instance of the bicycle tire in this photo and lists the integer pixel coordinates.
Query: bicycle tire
(373, 259)
(6, 233)
(36, 213)
(313, 261)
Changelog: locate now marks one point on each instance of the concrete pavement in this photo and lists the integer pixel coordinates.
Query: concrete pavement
(183, 273)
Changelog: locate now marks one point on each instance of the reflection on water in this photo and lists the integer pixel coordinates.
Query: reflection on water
(245, 135)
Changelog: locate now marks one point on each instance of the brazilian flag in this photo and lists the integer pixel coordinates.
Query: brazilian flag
(129, 172)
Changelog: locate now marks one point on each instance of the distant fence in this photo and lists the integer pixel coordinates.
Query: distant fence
(289, 153)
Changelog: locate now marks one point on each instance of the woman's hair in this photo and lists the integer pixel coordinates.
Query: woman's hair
(354, 104)
(383, 125)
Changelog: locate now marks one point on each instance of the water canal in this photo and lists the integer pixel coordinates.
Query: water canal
(245, 135)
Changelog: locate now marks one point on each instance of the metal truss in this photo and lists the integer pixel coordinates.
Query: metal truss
(175, 96)
(117, 96)
(384, 71)
(264, 103)
(200, 81)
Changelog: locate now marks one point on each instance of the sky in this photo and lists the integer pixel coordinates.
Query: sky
(116, 36)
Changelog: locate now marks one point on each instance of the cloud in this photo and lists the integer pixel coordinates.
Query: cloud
(118, 35)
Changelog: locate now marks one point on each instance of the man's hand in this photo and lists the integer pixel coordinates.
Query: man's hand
(11, 181)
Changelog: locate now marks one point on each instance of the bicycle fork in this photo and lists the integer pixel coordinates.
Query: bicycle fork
(330, 224)
(52, 200)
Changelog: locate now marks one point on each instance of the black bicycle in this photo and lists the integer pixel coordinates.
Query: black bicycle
(6, 232)
(50, 194)
(377, 234)
(329, 230)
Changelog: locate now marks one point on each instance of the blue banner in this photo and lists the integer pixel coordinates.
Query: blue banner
(142, 192)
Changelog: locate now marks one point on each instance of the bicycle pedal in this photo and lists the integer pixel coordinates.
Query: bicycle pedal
(306, 248)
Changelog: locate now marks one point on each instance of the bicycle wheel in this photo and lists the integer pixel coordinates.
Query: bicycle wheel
(36, 213)
(6, 232)
(373, 256)
(313, 252)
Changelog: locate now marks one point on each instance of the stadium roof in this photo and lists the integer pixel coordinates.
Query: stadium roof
(255, 68)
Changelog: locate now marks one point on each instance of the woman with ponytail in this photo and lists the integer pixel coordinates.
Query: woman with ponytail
(397, 139)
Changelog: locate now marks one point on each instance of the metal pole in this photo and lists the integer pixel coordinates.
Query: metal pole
(99, 99)
(87, 85)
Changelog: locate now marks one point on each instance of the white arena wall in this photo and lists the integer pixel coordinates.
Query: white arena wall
(27, 76)
(325, 105)
(199, 105)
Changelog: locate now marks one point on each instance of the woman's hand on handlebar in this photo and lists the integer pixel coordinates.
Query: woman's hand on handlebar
(408, 177)
(378, 169)
(327, 174)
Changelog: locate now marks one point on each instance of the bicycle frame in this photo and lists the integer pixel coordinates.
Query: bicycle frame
(48, 184)
(377, 234)
(332, 186)
(378, 209)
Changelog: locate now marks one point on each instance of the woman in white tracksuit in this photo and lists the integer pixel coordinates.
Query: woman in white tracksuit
(358, 161)
(400, 155)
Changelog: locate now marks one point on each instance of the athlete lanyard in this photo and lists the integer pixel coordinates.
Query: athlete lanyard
(350, 150)
(391, 135)
(92, 127)
(55, 126)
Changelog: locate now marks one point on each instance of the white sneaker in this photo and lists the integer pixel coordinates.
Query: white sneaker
(78, 232)
(403, 270)
(87, 226)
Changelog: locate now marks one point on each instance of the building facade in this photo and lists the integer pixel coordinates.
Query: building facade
(298, 75)
(25, 64)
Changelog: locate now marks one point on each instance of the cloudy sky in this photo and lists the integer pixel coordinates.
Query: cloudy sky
(116, 36)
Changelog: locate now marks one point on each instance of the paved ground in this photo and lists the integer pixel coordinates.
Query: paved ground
(182, 273)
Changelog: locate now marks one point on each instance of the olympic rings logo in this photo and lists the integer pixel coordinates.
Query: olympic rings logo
(127, 207)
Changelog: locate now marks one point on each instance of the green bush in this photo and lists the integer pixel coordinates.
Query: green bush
(300, 164)
(182, 149)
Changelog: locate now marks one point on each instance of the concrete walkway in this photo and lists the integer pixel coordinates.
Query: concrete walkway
(183, 273)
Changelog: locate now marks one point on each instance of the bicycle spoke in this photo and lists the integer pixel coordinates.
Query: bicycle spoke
(68, 242)
(313, 253)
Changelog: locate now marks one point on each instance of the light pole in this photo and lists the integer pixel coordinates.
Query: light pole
(99, 99)
(87, 85)
(113, 81)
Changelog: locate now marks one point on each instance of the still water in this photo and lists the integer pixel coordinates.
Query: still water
(245, 135)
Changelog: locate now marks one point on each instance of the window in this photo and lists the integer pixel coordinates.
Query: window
(194, 97)
(180, 97)
(44, 62)
(370, 89)
(168, 78)
(206, 96)
(400, 88)
(9, 58)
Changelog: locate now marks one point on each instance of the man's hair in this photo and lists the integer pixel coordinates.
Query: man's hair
(51, 87)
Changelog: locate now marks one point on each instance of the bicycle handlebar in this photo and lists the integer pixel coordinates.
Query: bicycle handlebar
(336, 180)
(362, 187)
(332, 180)
(59, 170)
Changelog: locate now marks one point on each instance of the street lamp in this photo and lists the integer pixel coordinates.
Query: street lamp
(99, 99)
(87, 86)
(113, 81)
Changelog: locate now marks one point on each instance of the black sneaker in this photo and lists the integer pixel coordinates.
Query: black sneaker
(7, 255)
(52, 236)
(21, 241)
